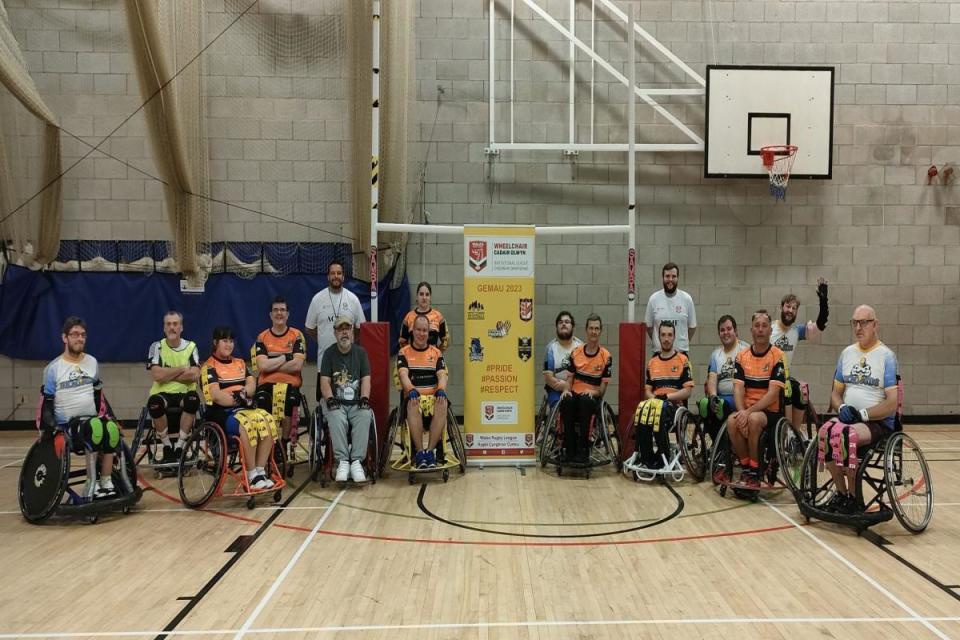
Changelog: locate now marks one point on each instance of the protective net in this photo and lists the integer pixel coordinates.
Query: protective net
(256, 113)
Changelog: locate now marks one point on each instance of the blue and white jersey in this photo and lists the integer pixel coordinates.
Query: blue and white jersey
(723, 363)
(556, 360)
(865, 376)
(72, 385)
(786, 340)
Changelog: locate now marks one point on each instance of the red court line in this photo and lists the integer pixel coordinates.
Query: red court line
(497, 543)
(178, 501)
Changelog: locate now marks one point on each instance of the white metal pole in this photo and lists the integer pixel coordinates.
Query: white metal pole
(573, 62)
(632, 174)
(593, 65)
(492, 48)
(513, 12)
(375, 159)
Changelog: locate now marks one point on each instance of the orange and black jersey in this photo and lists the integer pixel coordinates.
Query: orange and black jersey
(669, 374)
(271, 345)
(438, 328)
(589, 370)
(230, 375)
(757, 371)
(422, 366)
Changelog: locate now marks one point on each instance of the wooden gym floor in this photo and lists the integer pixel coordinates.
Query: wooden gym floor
(497, 553)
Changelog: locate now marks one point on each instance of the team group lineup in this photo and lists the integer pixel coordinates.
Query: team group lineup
(747, 389)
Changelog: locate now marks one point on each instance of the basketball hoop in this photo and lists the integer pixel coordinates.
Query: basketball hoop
(778, 159)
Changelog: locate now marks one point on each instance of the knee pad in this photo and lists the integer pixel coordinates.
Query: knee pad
(191, 402)
(157, 406)
(100, 434)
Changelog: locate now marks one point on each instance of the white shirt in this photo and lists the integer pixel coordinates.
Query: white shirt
(787, 340)
(323, 310)
(678, 308)
(866, 375)
(722, 364)
(72, 384)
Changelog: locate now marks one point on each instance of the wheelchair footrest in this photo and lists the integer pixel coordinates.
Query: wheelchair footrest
(861, 520)
(100, 506)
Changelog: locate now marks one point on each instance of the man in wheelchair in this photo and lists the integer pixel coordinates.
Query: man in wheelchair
(669, 384)
(278, 356)
(591, 366)
(423, 377)
(718, 403)
(759, 377)
(557, 357)
(73, 402)
(174, 365)
(228, 387)
(345, 390)
(865, 397)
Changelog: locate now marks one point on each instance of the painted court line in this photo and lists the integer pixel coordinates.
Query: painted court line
(286, 570)
(486, 625)
(876, 585)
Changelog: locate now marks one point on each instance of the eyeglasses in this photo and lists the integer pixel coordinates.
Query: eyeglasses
(862, 323)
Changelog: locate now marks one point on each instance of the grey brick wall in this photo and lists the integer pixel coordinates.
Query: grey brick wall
(877, 232)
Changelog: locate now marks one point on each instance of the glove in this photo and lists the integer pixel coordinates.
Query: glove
(849, 414)
(364, 402)
(413, 394)
(332, 404)
(440, 394)
(824, 307)
(240, 399)
(288, 357)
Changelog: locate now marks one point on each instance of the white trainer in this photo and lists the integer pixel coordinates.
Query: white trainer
(343, 470)
(356, 472)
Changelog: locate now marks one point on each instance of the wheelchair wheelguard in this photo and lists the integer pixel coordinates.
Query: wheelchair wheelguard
(321, 451)
(603, 441)
(726, 470)
(45, 485)
(450, 451)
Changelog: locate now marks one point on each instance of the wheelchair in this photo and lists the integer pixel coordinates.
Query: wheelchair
(147, 446)
(47, 485)
(213, 464)
(298, 450)
(726, 470)
(320, 451)
(450, 450)
(892, 479)
(603, 441)
(687, 454)
(791, 440)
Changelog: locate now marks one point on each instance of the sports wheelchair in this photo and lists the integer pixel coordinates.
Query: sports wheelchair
(450, 450)
(298, 449)
(892, 479)
(791, 440)
(210, 458)
(320, 450)
(726, 470)
(46, 485)
(146, 445)
(603, 440)
(688, 452)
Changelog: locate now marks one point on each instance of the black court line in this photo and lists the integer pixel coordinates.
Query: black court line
(884, 545)
(452, 523)
(238, 547)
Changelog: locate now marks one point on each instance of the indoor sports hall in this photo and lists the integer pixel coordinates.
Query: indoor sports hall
(476, 319)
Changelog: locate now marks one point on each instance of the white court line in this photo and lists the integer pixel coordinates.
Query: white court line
(286, 570)
(481, 625)
(876, 585)
(10, 464)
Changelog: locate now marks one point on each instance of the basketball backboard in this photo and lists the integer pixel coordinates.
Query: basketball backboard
(749, 107)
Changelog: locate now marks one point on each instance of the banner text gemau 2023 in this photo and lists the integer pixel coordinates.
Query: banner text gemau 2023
(500, 358)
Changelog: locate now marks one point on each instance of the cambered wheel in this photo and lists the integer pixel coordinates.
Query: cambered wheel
(43, 478)
(908, 482)
(693, 444)
(387, 446)
(791, 445)
(816, 487)
(611, 435)
(455, 435)
(202, 464)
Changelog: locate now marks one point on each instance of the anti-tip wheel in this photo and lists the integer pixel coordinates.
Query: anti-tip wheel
(277, 496)
(251, 502)
(446, 475)
(93, 519)
(409, 478)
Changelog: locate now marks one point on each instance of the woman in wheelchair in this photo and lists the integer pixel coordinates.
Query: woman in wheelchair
(865, 397)
(228, 387)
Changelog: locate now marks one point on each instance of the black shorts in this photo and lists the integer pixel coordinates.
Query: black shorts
(291, 398)
(772, 418)
(793, 395)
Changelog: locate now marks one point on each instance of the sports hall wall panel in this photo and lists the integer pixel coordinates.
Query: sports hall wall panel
(876, 231)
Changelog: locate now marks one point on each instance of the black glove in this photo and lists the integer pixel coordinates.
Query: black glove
(364, 402)
(240, 399)
(288, 357)
(848, 414)
(824, 307)
(332, 404)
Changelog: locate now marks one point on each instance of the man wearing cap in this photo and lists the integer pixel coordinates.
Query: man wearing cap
(345, 390)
